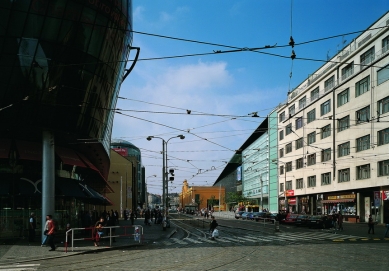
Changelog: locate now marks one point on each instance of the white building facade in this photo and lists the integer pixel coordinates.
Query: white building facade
(333, 133)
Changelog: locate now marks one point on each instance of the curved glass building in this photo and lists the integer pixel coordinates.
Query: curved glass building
(62, 63)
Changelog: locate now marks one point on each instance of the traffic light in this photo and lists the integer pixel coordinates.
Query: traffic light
(171, 171)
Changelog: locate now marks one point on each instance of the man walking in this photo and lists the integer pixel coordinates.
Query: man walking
(31, 228)
(371, 225)
(50, 232)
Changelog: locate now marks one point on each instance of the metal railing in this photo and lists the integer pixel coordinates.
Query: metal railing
(137, 233)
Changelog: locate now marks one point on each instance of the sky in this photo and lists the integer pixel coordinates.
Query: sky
(179, 69)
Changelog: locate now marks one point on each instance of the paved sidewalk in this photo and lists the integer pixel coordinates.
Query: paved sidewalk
(19, 250)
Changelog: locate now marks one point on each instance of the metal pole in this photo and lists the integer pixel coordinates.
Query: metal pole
(121, 196)
(260, 177)
(220, 187)
(163, 178)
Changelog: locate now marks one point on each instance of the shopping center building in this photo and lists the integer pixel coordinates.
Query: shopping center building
(333, 133)
(62, 64)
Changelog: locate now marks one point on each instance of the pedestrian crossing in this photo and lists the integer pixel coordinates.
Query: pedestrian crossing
(19, 267)
(279, 237)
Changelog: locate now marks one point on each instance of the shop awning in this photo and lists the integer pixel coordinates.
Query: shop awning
(337, 200)
(69, 157)
(94, 196)
(69, 188)
(87, 161)
(5, 145)
(29, 150)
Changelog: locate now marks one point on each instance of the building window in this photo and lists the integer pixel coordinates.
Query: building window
(344, 149)
(363, 115)
(362, 86)
(343, 123)
(299, 163)
(315, 94)
(363, 143)
(383, 168)
(282, 152)
(326, 155)
(311, 115)
(325, 107)
(288, 166)
(383, 75)
(299, 143)
(348, 71)
(326, 131)
(288, 129)
(302, 102)
(288, 148)
(343, 97)
(281, 135)
(326, 178)
(281, 170)
(367, 57)
(282, 117)
(312, 181)
(363, 172)
(299, 123)
(292, 111)
(383, 137)
(299, 183)
(329, 83)
(282, 187)
(383, 106)
(311, 138)
(311, 159)
(289, 185)
(385, 44)
(344, 175)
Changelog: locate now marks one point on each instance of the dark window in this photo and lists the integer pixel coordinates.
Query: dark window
(292, 110)
(363, 172)
(326, 178)
(299, 163)
(311, 115)
(363, 143)
(299, 183)
(344, 149)
(281, 170)
(281, 135)
(367, 57)
(344, 175)
(311, 181)
(326, 131)
(383, 137)
(362, 86)
(311, 159)
(282, 117)
(299, 123)
(329, 83)
(348, 71)
(299, 143)
(383, 106)
(282, 152)
(343, 123)
(288, 129)
(383, 75)
(288, 166)
(325, 107)
(343, 97)
(288, 148)
(289, 185)
(315, 94)
(302, 102)
(383, 168)
(311, 138)
(363, 115)
(326, 155)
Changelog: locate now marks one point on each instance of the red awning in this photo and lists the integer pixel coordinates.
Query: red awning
(5, 145)
(87, 161)
(337, 200)
(29, 150)
(69, 157)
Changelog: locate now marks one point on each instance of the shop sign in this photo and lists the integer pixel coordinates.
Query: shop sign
(289, 193)
(292, 201)
(377, 199)
(122, 151)
(351, 196)
(385, 195)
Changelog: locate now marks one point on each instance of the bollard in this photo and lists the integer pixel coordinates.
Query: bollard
(277, 226)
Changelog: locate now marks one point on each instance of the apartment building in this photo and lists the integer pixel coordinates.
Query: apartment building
(333, 133)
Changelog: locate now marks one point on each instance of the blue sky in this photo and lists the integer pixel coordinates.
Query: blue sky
(222, 89)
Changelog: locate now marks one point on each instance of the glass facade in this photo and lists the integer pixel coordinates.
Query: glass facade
(61, 68)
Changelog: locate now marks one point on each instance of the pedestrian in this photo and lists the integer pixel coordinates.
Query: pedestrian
(125, 214)
(51, 230)
(387, 230)
(340, 221)
(31, 228)
(98, 231)
(334, 220)
(45, 231)
(371, 225)
(212, 226)
(132, 217)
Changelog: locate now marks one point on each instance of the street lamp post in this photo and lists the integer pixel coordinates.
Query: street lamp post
(164, 172)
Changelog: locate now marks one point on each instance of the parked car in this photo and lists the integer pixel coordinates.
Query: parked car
(238, 214)
(318, 221)
(302, 220)
(255, 215)
(245, 215)
(291, 218)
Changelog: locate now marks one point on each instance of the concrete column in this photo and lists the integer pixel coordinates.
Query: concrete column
(48, 176)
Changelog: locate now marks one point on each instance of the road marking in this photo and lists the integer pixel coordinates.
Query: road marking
(19, 267)
(192, 240)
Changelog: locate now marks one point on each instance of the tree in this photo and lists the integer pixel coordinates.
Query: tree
(234, 198)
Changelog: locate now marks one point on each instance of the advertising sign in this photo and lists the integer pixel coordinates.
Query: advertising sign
(122, 151)
(239, 173)
(377, 199)
(289, 193)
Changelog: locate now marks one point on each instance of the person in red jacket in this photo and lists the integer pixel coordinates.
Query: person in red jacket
(50, 232)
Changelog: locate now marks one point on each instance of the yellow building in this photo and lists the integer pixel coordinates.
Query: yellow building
(199, 197)
(122, 180)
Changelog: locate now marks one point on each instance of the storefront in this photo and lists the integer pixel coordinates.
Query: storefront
(291, 202)
(346, 204)
(303, 206)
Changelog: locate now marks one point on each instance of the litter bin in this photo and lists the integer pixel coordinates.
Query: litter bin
(277, 225)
